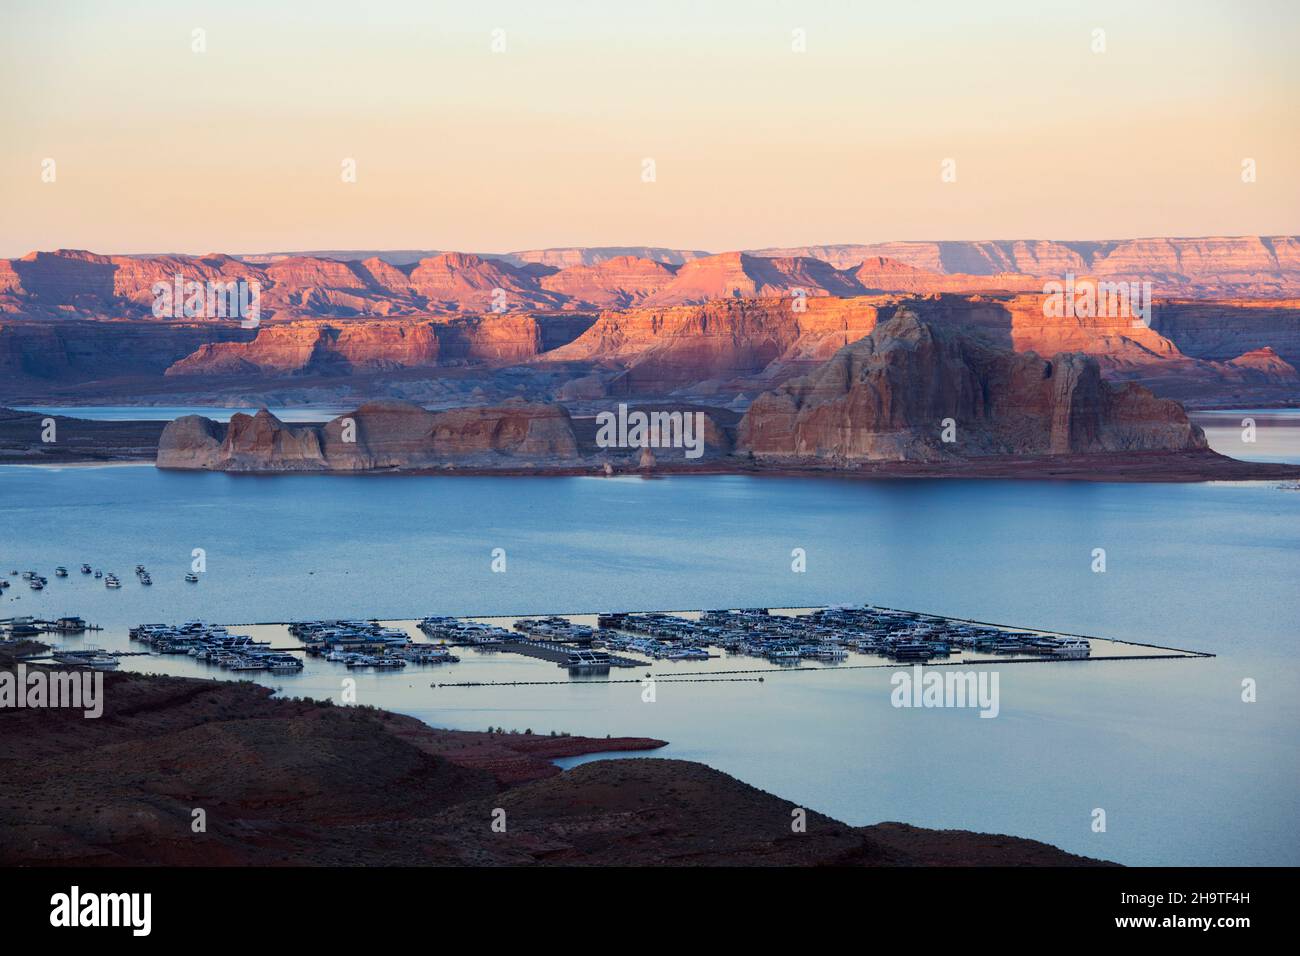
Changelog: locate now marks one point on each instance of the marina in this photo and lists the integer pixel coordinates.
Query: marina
(813, 638)
(766, 640)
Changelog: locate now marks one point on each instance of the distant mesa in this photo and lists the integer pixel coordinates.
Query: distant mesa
(379, 284)
(613, 283)
(1205, 266)
(883, 274)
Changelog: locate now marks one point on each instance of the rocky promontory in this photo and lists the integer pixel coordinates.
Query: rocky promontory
(378, 436)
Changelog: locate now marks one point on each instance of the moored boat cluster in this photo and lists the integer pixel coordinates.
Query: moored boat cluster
(455, 630)
(213, 644)
(366, 644)
(828, 634)
(557, 639)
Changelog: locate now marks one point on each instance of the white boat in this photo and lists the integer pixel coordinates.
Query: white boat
(89, 657)
(1073, 647)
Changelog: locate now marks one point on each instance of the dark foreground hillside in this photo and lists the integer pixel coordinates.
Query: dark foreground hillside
(295, 782)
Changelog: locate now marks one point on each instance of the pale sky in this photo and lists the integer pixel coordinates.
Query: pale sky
(241, 148)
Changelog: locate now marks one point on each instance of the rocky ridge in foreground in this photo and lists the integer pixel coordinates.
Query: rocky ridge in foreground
(294, 782)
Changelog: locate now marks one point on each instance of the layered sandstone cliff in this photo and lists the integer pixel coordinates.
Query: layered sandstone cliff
(761, 342)
(660, 350)
(345, 347)
(917, 390)
(892, 275)
(387, 435)
(611, 284)
(316, 346)
(734, 275)
(457, 281)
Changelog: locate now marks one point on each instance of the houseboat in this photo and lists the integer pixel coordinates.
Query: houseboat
(91, 657)
(591, 662)
(1073, 647)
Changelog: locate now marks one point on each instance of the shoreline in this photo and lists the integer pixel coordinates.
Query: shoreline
(1136, 467)
(1236, 471)
(1150, 468)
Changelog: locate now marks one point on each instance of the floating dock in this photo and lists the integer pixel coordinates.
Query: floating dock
(744, 644)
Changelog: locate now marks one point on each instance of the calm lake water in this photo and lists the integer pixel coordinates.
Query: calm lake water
(1187, 773)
